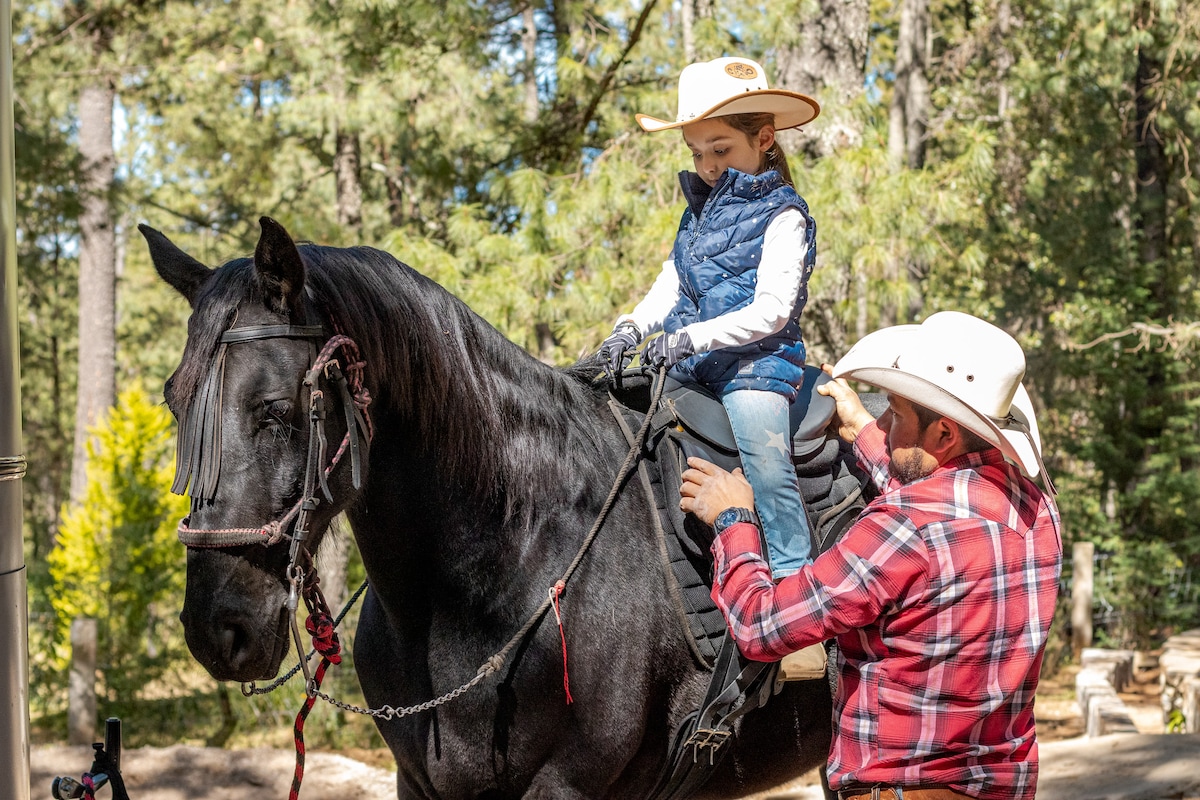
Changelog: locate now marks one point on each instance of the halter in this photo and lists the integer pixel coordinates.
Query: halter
(198, 453)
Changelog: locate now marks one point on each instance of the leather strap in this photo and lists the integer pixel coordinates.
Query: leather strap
(902, 793)
(252, 332)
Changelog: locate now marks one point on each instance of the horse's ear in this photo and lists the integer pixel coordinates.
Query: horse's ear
(278, 267)
(184, 273)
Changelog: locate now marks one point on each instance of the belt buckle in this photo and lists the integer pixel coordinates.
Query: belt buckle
(874, 793)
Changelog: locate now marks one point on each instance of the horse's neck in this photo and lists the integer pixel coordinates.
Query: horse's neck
(475, 474)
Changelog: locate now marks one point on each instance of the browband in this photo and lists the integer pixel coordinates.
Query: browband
(252, 332)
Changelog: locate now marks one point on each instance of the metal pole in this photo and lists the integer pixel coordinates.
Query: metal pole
(14, 615)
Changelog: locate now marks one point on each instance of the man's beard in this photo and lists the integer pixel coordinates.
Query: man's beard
(908, 468)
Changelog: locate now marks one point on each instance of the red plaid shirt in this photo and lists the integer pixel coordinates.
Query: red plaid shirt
(940, 597)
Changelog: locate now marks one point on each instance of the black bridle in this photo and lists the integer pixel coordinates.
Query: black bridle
(198, 453)
(198, 458)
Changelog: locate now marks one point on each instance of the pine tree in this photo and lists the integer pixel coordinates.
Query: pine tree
(117, 559)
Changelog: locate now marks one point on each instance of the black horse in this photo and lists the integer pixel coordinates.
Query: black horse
(484, 471)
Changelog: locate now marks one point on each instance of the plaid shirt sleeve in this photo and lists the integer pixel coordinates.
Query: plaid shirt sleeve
(877, 564)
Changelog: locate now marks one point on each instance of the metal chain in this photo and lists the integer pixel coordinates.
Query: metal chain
(387, 712)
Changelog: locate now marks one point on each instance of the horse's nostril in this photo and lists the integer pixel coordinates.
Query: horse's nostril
(232, 643)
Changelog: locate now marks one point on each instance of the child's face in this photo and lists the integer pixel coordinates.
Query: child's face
(716, 145)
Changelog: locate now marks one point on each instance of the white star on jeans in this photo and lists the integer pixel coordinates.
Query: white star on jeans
(777, 440)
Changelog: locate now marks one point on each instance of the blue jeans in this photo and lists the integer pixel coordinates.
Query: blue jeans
(762, 429)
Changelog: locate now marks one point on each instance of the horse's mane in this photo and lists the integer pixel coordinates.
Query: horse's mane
(495, 415)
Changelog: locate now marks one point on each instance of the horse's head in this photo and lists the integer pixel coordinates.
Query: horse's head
(264, 394)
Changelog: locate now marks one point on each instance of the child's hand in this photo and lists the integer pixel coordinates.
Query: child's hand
(668, 349)
(619, 346)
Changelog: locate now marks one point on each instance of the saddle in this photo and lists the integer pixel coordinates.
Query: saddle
(690, 421)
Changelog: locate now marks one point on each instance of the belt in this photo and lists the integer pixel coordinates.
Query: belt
(901, 793)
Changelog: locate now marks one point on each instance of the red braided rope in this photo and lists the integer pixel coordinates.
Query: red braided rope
(325, 639)
(555, 592)
(298, 729)
(319, 625)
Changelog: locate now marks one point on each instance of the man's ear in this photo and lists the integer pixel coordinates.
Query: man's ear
(944, 440)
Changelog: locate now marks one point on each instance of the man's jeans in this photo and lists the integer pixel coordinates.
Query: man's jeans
(762, 429)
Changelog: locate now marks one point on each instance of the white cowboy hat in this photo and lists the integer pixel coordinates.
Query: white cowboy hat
(961, 367)
(727, 86)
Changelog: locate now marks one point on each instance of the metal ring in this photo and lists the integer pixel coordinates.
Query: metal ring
(12, 468)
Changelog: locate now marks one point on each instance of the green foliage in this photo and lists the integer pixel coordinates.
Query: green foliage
(1149, 591)
(549, 221)
(117, 559)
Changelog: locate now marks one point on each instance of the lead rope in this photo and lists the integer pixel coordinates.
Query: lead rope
(322, 629)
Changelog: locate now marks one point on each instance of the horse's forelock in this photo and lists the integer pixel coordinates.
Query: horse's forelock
(215, 308)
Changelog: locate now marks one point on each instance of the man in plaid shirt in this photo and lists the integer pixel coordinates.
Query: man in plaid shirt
(941, 593)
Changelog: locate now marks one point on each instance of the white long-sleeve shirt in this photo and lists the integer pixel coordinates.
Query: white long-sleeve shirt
(779, 280)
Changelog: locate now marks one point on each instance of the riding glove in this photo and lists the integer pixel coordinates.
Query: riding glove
(668, 349)
(619, 346)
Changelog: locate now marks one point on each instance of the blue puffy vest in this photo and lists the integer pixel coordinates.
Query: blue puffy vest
(717, 251)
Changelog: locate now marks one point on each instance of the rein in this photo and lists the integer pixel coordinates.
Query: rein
(198, 462)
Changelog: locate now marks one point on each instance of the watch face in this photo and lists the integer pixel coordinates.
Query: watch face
(732, 516)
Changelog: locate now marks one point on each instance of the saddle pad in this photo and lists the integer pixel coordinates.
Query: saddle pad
(683, 543)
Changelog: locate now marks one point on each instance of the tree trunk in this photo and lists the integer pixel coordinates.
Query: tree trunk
(333, 558)
(529, 40)
(97, 274)
(1004, 59)
(909, 109)
(81, 683)
(687, 19)
(916, 115)
(394, 177)
(346, 170)
(828, 62)
(1152, 177)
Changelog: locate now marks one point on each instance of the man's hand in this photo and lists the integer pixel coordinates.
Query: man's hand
(851, 415)
(708, 490)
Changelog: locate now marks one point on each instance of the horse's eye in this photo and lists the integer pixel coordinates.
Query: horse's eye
(276, 411)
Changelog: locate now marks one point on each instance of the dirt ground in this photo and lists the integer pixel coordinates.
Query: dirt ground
(1149, 765)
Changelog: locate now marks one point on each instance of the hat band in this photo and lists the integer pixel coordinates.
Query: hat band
(1011, 423)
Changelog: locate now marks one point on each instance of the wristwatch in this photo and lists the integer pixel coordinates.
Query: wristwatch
(732, 516)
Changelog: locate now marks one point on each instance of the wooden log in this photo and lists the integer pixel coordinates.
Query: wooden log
(1083, 555)
(1117, 663)
(1178, 666)
(81, 686)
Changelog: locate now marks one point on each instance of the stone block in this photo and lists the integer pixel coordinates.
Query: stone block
(1190, 704)
(1118, 664)
(1107, 716)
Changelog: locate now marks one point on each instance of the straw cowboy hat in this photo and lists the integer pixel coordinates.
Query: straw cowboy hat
(727, 86)
(961, 367)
